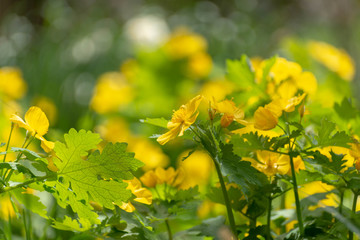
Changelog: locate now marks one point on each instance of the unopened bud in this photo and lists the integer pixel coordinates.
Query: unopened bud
(302, 110)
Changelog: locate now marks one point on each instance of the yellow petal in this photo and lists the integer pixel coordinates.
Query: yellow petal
(264, 119)
(48, 146)
(307, 82)
(193, 105)
(128, 207)
(37, 120)
(171, 134)
(18, 120)
(149, 179)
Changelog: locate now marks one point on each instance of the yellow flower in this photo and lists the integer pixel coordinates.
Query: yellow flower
(37, 124)
(142, 195)
(114, 130)
(217, 89)
(12, 85)
(337, 60)
(280, 71)
(289, 104)
(160, 175)
(265, 119)
(181, 120)
(111, 92)
(184, 44)
(6, 207)
(48, 106)
(199, 65)
(271, 163)
(198, 169)
(250, 128)
(149, 153)
(230, 112)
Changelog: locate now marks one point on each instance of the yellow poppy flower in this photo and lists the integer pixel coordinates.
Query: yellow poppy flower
(271, 163)
(199, 65)
(251, 128)
(183, 44)
(337, 60)
(12, 84)
(181, 120)
(112, 91)
(160, 175)
(198, 169)
(142, 195)
(37, 124)
(230, 111)
(217, 89)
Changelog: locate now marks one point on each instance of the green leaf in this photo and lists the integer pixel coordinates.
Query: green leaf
(239, 72)
(187, 194)
(100, 175)
(34, 168)
(326, 138)
(239, 171)
(69, 224)
(266, 70)
(236, 197)
(31, 155)
(324, 165)
(346, 110)
(159, 122)
(209, 227)
(250, 142)
(304, 177)
(30, 201)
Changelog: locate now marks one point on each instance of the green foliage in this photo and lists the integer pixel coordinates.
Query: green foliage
(239, 171)
(326, 138)
(96, 176)
(240, 73)
(345, 109)
(159, 122)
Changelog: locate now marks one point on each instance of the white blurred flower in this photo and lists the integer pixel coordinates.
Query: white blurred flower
(147, 31)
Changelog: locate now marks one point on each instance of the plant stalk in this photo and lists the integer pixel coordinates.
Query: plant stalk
(168, 229)
(296, 194)
(226, 199)
(7, 146)
(7, 189)
(268, 230)
(353, 210)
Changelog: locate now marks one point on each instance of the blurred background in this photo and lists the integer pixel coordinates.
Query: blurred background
(104, 65)
(63, 47)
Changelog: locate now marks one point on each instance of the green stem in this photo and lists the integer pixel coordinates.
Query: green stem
(7, 189)
(7, 146)
(252, 223)
(296, 194)
(168, 229)
(26, 226)
(351, 234)
(268, 232)
(226, 199)
(341, 201)
(18, 158)
(282, 206)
